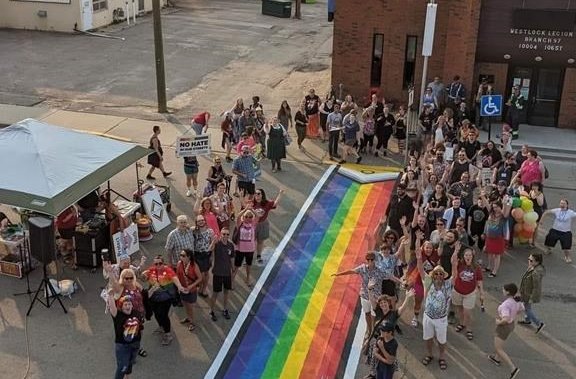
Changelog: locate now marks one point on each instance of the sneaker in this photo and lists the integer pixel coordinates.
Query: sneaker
(158, 330)
(524, 322)
(414, 322)
(213, 316)
(491, 275)
(259, 259)
(358, 160)
(540, 327)
(226, 314)
(188, 193)
(166, 174)
(167, 339)
(376, 154)
(150, 177)
(515, 372)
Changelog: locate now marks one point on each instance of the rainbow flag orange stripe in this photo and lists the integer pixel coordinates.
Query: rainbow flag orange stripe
(302, 319)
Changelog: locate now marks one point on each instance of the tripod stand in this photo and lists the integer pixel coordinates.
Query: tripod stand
(49, 291)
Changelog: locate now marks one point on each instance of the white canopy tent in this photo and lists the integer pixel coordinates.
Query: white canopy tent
(47, 168)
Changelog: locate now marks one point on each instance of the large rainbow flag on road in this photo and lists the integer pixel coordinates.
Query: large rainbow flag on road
(301, 321)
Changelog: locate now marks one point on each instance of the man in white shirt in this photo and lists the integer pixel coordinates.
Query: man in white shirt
(561, 229)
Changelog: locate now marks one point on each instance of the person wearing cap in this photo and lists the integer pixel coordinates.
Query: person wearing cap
(127, 332)
(243, 168)
(515, 107)
(385, 352)
(437, 305)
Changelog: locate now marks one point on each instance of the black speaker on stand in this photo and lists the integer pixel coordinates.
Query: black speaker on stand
(43, 248)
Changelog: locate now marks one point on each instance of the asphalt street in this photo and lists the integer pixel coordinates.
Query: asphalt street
(217, 51)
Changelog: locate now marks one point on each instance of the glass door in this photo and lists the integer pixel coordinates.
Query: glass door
(545, 102)
(522, 77)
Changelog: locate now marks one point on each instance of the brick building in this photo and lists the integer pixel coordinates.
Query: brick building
(531, 43)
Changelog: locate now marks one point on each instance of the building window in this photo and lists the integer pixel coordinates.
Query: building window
(99, 5)
(376, 71)
(409, 61)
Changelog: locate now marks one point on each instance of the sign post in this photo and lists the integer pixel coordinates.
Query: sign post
(490, 106)
(427, 46)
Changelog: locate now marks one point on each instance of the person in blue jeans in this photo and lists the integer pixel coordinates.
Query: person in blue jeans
(127, 331)
(531, 290)
(385, 352)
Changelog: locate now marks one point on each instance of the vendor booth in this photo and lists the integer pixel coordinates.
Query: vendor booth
(48, 168)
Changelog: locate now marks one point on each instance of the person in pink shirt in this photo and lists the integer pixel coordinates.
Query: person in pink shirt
(246, 140)
(244, 239)
(505, 321)
(206, 208)
(532, 170)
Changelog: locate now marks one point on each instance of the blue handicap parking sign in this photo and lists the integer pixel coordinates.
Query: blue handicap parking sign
(491, 105)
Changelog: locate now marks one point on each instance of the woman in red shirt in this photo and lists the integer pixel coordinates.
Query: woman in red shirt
(190, 277)
(468, 276)
(263, 206)
(200, 123)
(66, 223)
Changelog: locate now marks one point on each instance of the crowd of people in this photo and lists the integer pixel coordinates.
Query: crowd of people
(458, 207)
(457, 201)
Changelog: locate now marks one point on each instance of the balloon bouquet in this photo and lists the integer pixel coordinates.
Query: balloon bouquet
(525, 217)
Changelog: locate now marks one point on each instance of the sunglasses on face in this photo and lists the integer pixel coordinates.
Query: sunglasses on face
(258, 193)
(225, 234)
(183, 255)
(370, 259)
(129, 278)
(158, 263)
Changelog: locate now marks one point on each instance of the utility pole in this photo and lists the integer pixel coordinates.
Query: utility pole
(159, 57)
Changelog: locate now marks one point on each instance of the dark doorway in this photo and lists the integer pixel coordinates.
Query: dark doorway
(542, 89)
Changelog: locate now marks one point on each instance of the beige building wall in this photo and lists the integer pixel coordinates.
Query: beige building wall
(60, 17)
(24, 15)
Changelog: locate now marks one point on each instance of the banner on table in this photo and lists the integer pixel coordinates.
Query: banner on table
(191, 146)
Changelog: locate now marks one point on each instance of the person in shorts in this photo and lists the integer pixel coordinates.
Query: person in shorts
(437, 305)
(245, 240)
(244, 168)
(190, 277)
(561, 229)
(372, 276)
(222, 272)
(505, 320)
(204, 240)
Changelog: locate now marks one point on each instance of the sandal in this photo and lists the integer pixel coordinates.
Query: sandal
(460, 328)
(191, 328)
(493, 359)
(469, 335)
(142, 353)
(426, 360)
(567, 260)
(184, 321)
(442, 364)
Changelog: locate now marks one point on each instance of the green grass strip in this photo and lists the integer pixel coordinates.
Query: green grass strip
(283, 345)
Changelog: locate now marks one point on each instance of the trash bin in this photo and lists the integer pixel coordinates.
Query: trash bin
(277, 8)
